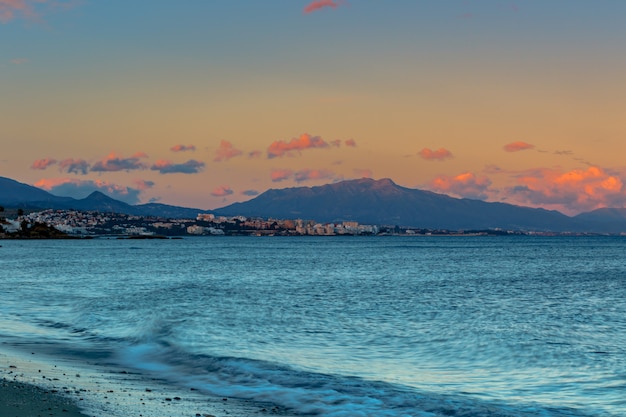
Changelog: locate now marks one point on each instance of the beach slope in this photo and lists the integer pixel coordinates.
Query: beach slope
(24, 400)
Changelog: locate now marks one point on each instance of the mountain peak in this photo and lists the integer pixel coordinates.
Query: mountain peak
(381, 183)
(98, 195)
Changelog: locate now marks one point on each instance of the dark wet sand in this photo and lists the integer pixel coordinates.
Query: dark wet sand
(23, 400)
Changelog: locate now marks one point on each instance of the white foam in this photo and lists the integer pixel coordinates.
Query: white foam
(104, 391)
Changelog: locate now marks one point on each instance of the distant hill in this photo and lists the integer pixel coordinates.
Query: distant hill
(604, 219)
(16, 194)
(383, 202)
(13, 193)
(98, 201)
(167, 211)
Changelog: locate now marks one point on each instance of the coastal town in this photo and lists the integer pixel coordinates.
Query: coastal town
(88, 224)
(92, 224)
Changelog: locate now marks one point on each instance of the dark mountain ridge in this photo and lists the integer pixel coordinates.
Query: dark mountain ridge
(384, 202)
(13, 193)
(16, 194)
(367, 201)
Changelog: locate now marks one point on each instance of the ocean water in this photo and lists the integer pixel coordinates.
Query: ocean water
(336, 326)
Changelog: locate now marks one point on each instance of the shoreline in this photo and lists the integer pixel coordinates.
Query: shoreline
(34, 384)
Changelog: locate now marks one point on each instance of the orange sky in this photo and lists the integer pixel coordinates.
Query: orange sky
(202, 106)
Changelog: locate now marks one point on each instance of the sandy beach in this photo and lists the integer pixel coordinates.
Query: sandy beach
(32, 384)
(24, 400)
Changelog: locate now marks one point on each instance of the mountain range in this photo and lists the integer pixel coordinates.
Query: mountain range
(367, 201)
(16, 194)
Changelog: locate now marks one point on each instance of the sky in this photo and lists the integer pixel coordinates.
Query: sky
(203, 103)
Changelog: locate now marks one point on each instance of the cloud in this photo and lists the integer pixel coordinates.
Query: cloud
(313, 174)
(70, 187)
(351, 143)
(167, 167)
(182, 148)
(278, 175)
(143, 184)
(19, 61)
(113, 163)
(466, 185)
(571, 191)
(222, 191)
(250, 193)
(43, 163)
(493, 169)
(255, 154)
(438, 155)
(281, 148)
(74, 166)
(226, 151)
(12, 9)
(518, 146)
(319, 4)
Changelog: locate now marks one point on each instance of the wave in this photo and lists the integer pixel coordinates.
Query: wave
(309, 393)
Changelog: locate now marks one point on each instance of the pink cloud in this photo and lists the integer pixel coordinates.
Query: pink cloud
(168, 167)
(320, 4)
(226, 151)
(12, 9)
(518, 146)
(19, 61)
(49, 183)
(143, 184)
(351, 143)
(75, 166)
(336, 143)
(182, 148)
(43, 163)
(281, 148)
(114, 162)
(222, 191)
(9, 9)
(571, 191)
(313, 174)
(466, 185)
(255, 154)
(278, 175)
(438, 155)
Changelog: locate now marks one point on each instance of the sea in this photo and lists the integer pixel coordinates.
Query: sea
(471, 326)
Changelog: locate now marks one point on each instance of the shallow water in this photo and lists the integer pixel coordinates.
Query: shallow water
(334, 326)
